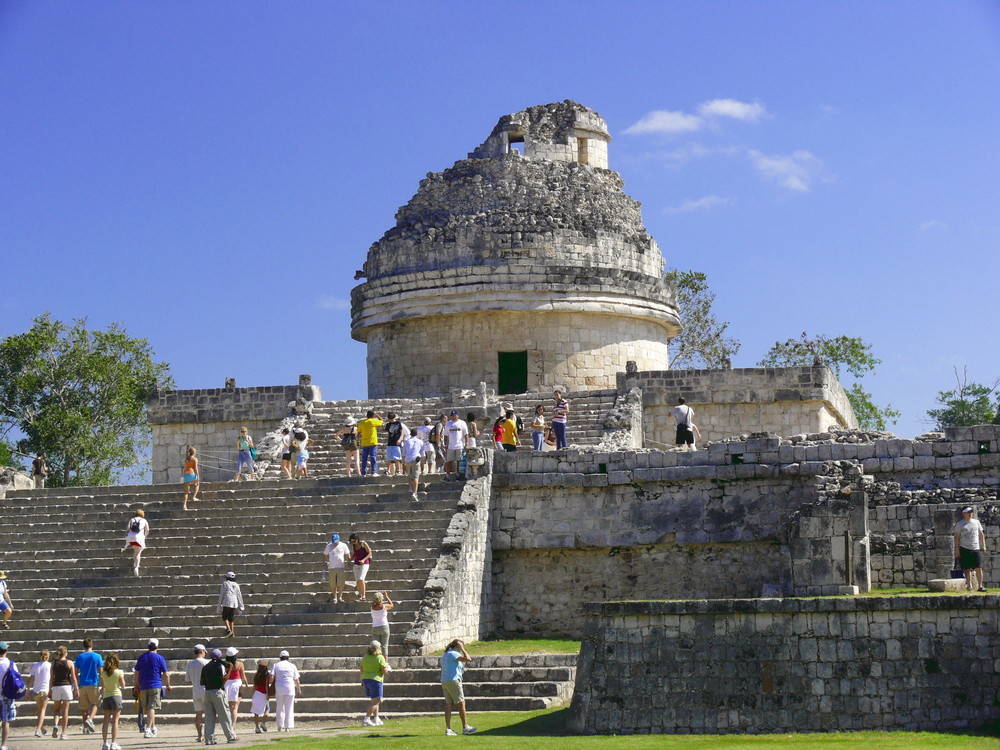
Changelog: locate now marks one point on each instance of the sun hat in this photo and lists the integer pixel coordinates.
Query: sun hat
(351, 421)
(230, 575)
(232, 651)
(282, 654)
(2, 575)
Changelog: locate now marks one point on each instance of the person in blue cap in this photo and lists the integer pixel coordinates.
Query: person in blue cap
(336, 554)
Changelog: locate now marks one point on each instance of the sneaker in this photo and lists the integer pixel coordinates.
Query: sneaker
(378, 722)
(232, 739)
(450, 733)
(62, 736)
(39, 733)
(968, 587)
(55, 732)
(258, 730)
(210, 740)
(264, 726)
(153, 730)
(366, 722)
(90, 725)
(414, 496)
(148, 734)
(116, 746)
(106, 746)
(982, 589)
(469, 730)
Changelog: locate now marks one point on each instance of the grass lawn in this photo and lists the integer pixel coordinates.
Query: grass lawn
(515, 731)
(508, 647)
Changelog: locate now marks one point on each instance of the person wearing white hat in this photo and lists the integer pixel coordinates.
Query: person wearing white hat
(230, 600)
(193, 675)
(235, 679)
(285, 680)
(970, 543)
(349, 443)
(151, 676)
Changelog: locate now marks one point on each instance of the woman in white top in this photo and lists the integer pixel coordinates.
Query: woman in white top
(138, 529)
(38, 685)
(381, 604)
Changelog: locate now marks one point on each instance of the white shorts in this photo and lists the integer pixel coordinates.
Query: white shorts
(233, 690)
(260, 703)
(198, 699)
(360, 572)
(62, 693)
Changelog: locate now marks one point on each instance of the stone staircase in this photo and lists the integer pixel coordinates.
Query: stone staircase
(69, 579)
(587, 411)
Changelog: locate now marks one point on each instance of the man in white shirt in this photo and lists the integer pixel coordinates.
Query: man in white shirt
(686, 428)
(285, 678)
(8, 707)
(970, 544)
(457, 432)
(413, 449)
(193, 674)
(336, 554)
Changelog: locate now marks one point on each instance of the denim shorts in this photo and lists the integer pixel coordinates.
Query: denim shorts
(393, 453)
(373, 688)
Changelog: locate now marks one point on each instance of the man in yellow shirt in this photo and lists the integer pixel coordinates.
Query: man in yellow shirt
(369, 441)
(509, 426)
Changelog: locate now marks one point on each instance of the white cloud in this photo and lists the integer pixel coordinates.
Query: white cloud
(333, 303)
(699, 204)
(732, 108)
(665, 121)
(932, 224)
(795, 171)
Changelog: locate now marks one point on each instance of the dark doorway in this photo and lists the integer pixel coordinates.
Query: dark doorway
(512, 368)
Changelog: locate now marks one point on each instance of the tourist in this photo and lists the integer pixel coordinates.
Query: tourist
(302, 459)
(560, 413)
(112, 681)
(394, 435)
(471, 446)
(39, 471)
(6, 605)
(441, 441)
(138, 529)
(686, 428)
(373, 669)
(88, 676)
(285, 681)
(231, 602)
(244, 455)
(413, 453)
(213, 679)
(63, 689)
(427, 463)
(193, 676)
(381, 604)
(508, 427)
(970, 543)
(452, 665)
(260, 702)
(8, 706)
(236, 678)
(368, 428)
(362, 555)
(457, 432)
(498, 432)
(336, 554)
(190, 477)
(151, 677)
(38, 685)
(286, 453)
(538, 429)
(348, 435)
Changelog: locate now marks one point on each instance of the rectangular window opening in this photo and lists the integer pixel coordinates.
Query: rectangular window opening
(581, 150)
(512, 372)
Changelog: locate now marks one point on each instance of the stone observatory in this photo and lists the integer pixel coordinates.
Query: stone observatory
(524, 266)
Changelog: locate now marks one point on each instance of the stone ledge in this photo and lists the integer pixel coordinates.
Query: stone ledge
(734, 606)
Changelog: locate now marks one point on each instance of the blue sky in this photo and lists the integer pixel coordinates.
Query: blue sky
(211, 174)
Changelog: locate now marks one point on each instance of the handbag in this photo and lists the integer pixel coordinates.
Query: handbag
(253, 453)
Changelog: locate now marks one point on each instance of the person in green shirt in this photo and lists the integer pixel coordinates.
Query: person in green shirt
(373, 669)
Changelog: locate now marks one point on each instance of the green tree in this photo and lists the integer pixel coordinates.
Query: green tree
(968, 404)
(838, 353)
(79, 395)
(702, 341)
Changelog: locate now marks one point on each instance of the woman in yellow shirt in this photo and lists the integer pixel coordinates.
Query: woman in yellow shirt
(112, 684)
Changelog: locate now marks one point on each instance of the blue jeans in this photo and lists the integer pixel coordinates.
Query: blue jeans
(560, 430)
(369, 452)
(538, 440)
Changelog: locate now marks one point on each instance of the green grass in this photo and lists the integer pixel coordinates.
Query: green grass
(515, 646)
(516, 731)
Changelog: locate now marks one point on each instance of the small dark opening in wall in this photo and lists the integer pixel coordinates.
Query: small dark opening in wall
(931, 666)
(984, 446)
(515, 142)
(736, 458)
(602, 468)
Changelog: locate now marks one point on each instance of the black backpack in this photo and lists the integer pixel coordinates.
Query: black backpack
(136, 526)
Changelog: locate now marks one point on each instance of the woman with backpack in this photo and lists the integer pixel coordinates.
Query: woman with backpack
(138, 530)
(349, 443)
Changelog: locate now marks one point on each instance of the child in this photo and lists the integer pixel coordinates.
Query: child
(260, 699)
(302, 457)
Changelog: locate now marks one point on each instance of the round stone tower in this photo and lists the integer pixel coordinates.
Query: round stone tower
(524, 265)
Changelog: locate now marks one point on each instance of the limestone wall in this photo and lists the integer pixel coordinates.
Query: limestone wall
(570, 350)
(214, 441)
(726, 403)
(794, 665)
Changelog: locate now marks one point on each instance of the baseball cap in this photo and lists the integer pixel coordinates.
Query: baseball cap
(230, 575)
(334, 538)
(967, 509)
(154, 642)
(232, 651)
(454, 412)
(376, 644)
(427, 420)
(3, 646)
(282, 654)
(199, 647)
(216, 654)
